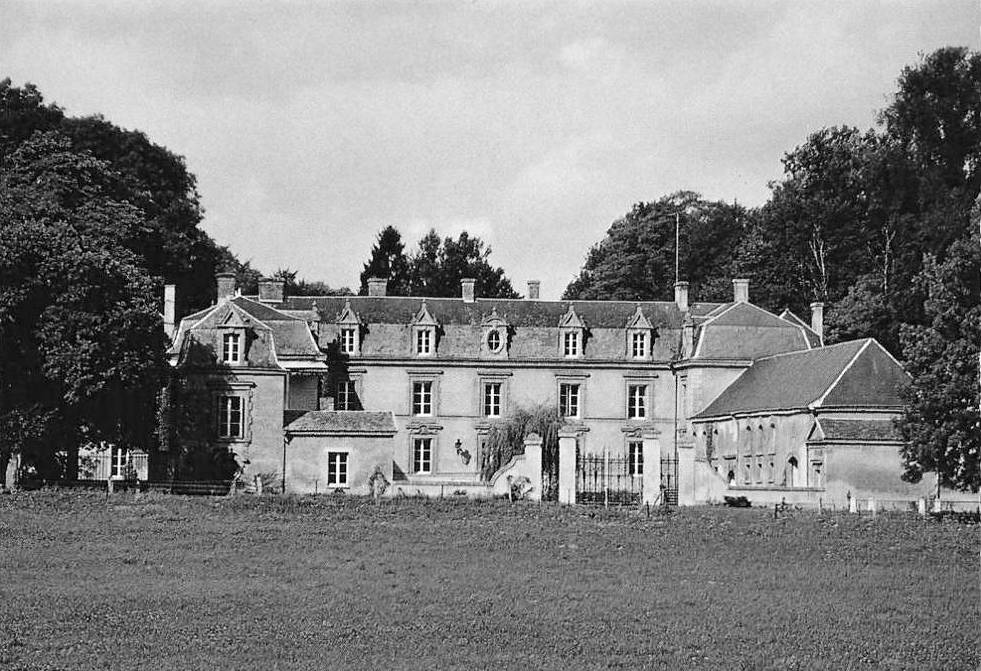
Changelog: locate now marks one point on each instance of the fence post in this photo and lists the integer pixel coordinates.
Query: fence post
(567, 465)
(921, 507)
(533, 464)
(652, 469)
(852, 504)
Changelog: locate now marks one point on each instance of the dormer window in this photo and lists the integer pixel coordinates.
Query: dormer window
(494, 330)
(424, 331)
(571, 343)
(231, 348)
(640, 333)
(572, 331)
(494, 341)
(349, 331)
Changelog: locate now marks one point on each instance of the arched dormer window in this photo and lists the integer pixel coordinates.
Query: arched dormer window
(640, 336)
(495, 336)
(424, 330)
(348, 331)
(572, 335)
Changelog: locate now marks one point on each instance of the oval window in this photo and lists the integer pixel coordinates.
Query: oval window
(494, 341)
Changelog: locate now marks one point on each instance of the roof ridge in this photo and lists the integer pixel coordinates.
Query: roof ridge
(844, 371)
(813, 350)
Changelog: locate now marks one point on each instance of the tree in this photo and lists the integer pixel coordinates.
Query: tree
(635, 261)
(292, 286)
(81, 339)
(388, 260)
(941, 423)
(437, 268)
(506, 439)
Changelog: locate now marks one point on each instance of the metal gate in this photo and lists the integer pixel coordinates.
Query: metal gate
(669, 480)
(602, 479)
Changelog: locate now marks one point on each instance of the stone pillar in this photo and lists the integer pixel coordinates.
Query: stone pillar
(686, 475)
(533, 465)
(852, 504)
(567, 466)
(921, 507)
(652, 470)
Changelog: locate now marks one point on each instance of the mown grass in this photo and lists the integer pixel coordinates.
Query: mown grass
(165, 582)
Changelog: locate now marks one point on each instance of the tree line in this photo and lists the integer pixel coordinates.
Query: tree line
(880, 224)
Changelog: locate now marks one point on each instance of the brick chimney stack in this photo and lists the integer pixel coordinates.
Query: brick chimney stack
(534, 289)
(377, 286)
(466, 289)
(740, 291)
(226, 285)
(681, 295)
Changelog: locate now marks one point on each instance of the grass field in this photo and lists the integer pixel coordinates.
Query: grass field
(318, 583)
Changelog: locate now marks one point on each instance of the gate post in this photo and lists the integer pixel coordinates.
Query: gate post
(533, 461)
(652, 469)
(567, 466)
(686, 475)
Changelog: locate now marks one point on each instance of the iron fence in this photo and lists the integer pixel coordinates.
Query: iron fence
(605, 480)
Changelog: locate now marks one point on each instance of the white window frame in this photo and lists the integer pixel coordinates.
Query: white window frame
(425, 341)
(639, 344)
(499, 337)
(572, 390)
(226, 411)
(635, 458)
(423, 454)
(572, 343)
(337, 469)
(426, 394)
(231, 347)
(348, 338)
(344, 393)
(492, 406)
(638, 395)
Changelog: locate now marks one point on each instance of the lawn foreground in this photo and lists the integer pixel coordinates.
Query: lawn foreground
(158, 582)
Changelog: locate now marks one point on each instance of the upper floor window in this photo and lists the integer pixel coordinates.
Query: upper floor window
(492, 399)
(635, 457)
(637, 401)
(569, 400)
(337, 469)
(347, 396)
(572, 343)
(638, 344)
(231, 348)
(230, 417)
(422, 398)
(424, 341)
(349, 340)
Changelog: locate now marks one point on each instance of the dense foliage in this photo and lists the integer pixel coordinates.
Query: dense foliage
(506, 439)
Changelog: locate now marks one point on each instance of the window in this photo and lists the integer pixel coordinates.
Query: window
(637, 401)
(349, 340)
(347, 396)
(569, 400)
(635, 457)
(119, 459)
(422, 398)
(230, 417)
(424, 342)
(422, 455)
(231, 350)
(494, 341)
(638, 345)
(337, 469)
(571, 343)
(492, 399)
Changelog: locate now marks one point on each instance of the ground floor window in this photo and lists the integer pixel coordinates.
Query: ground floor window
(230, 417)
(337, 469)
(635, 457)
(422, 455)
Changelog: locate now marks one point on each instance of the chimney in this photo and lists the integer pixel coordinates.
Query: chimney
(270, 291)
(226, 285)
(466, 288)
(817, 320)
(534, 287)
(681, 295)
(377, 286)
(740, 291)
(170, 300)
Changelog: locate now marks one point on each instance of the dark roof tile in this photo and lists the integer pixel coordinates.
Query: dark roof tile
(339, 422)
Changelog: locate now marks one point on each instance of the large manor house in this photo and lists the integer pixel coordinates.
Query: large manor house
(697, 401)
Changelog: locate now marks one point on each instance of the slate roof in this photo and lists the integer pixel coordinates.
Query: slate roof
(338, 422)
(747, 331)
(860, 430)
(812, 337)
(859, 373)
(517, 312)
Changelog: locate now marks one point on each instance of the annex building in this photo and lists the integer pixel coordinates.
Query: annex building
(677, 399)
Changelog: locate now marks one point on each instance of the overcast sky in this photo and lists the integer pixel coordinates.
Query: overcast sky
(310, 126)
